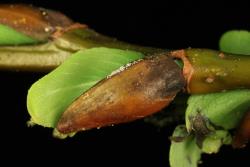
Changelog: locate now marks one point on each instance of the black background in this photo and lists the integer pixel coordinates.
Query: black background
(169, 25)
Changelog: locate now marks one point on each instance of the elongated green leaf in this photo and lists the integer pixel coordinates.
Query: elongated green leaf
(9, 36)
(50, 96)
(184, 153)
(236, 41)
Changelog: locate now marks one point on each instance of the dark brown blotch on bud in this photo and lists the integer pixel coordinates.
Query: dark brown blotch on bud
(140, 90)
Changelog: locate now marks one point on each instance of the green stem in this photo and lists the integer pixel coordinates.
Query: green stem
(45, 57)
(42, 57)
(208, 71)
(83, 38)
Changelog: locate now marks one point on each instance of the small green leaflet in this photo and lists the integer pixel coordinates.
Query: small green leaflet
(185, 153)
(9, 36)
(235, 41)
(223, 109)
(51, 95)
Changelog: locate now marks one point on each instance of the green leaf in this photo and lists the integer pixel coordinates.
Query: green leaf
(9, 36)
(184, 153)
(51, 95)
(223, 109)
(235, 41)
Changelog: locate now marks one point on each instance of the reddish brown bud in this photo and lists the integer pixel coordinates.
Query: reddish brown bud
(37, 23)
(140, 90)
